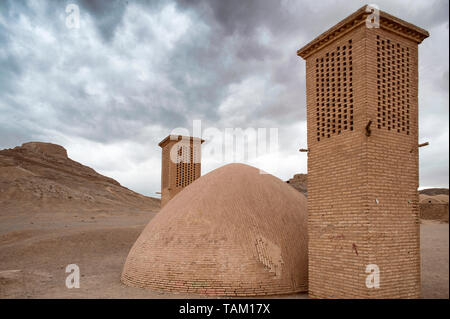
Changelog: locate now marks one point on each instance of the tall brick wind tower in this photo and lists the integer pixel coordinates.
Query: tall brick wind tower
(362, 117)
(181, 164)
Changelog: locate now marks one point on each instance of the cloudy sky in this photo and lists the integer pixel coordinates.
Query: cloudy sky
(134, 71)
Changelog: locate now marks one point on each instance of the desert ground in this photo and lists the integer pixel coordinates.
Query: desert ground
(55, 212)
(35, 250)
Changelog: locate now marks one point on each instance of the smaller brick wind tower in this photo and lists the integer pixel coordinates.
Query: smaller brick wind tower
(362, 118)
(181, 164)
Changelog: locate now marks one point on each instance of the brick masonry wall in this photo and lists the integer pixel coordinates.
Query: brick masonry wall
(393, 211)
(362, 191)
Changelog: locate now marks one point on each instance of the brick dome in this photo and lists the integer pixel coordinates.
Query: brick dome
(232, 232)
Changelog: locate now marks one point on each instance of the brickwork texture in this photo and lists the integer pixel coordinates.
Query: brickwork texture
(232, 232)
(363, 158)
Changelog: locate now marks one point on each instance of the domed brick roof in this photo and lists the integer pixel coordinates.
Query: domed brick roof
(232, 232)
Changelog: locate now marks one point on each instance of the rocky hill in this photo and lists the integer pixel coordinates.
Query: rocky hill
(40, 176)
(434, 191)
(300, 183)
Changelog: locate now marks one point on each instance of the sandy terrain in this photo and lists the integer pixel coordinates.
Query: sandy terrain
(434, 251)
(33, 256)
(34, 251)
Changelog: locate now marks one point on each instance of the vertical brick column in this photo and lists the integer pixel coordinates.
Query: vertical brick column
(180, 164)
(363, 160)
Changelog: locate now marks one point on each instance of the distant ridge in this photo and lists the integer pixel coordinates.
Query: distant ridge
(434, 191)
(40, 176)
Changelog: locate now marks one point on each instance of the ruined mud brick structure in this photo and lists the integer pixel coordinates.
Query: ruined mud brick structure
(362, 116)
(182, 167)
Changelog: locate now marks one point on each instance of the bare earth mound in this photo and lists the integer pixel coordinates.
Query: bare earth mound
(300, 183)
(39, 177)
(433, 203)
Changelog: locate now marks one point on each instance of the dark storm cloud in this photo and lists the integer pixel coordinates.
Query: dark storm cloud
(11, 71)
(137, 69)
(234, 51)
(107, 14)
